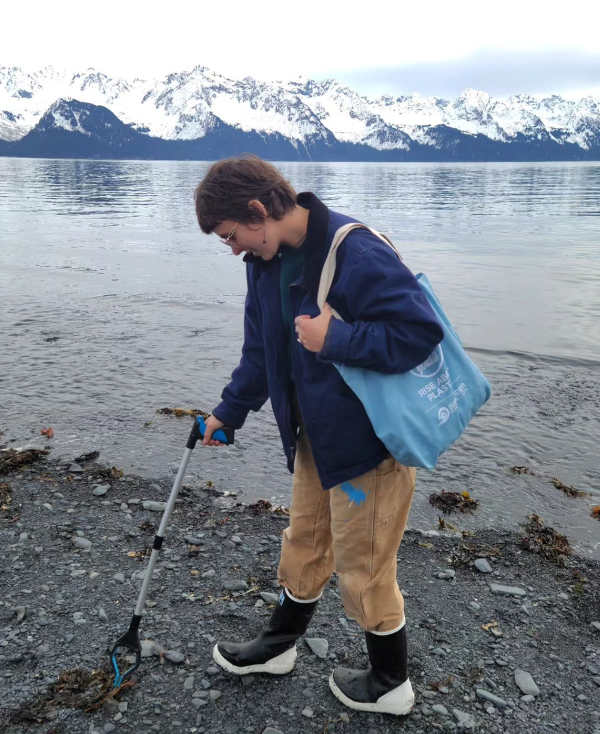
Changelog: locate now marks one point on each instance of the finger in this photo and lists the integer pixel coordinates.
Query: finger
(207, 436)
(298, 319)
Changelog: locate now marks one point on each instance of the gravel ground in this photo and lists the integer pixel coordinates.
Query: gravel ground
(480, 658)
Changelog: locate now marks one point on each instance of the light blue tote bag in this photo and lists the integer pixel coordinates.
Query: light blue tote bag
(417, 414)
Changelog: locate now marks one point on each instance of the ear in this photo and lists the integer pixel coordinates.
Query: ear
(258, 207)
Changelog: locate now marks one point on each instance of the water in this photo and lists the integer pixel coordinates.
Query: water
(114, 304)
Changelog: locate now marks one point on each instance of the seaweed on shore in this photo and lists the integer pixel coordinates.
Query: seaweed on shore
(569, 491)
(76, 688)
(595, 512)
(449, 502)
(86, 458)
(111, 474)
(12, 459)
(181, 412)
(469, 552)
(5, 496)
(545, 541)
(523, 470)
(261, 507)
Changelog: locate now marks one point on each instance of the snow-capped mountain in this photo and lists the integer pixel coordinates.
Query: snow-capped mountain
(303, 119)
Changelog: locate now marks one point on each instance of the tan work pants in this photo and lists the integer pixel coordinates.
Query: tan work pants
(355, 529)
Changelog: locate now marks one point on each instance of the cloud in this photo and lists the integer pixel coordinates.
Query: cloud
(498, 72)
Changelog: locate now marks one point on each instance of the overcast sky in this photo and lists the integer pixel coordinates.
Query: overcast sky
(434, 48)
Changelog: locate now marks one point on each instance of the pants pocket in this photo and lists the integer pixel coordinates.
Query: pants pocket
(387, 465)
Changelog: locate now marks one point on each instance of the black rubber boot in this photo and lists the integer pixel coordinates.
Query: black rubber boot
(385, 687)
(274, 650)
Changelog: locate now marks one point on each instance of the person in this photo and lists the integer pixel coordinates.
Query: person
(350, 497)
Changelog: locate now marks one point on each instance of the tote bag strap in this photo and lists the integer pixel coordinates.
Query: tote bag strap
(328, 271)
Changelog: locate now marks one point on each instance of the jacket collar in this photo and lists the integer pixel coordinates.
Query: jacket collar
(316, 245)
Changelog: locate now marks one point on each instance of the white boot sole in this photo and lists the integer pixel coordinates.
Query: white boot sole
(279, 665)
(399, 702)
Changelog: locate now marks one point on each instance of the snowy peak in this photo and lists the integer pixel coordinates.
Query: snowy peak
(189, 105)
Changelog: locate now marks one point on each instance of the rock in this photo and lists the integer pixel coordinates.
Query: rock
(209, 574)
(595, 625)
(154, 506)
(448, 573)
(344, 717)
(94, 575)
(475, 605)
(20, 612)
(82, 543)
(215, 694)
(75, 469)
(482, 565)
(69, 637)
(319, 646)
(270, 730)
(440, 709)
(308, 713)
(199, 702)
(150, 648)
(269, 597)
(527, 699)
(236, 585)
(100, 490)
(596, 680)
(119, 578)
(493, 699)
(108, 727)
(188, 683)
(194, 539)
(102, 615)
(175, 657)
(465, 720)
(507, 590)
(526, 683)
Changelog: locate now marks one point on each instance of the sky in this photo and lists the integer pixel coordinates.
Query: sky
(434, 48)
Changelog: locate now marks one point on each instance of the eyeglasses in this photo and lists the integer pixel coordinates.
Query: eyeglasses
(230, 236)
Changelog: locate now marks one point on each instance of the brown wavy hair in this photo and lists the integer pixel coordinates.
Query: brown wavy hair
(230, 184)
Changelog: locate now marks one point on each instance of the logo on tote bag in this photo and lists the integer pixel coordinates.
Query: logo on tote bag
(443, 415)
(432, 365)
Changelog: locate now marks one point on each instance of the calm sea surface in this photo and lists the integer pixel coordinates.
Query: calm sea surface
(113, 304)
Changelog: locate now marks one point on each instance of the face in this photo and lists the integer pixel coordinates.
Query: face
(242, 238)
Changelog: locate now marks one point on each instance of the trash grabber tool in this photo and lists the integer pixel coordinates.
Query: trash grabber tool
(130, 641)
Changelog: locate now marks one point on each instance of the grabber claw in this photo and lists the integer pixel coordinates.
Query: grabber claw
(130, 642)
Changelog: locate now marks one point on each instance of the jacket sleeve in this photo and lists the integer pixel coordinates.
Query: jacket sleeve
(248, 389)
(391, 326)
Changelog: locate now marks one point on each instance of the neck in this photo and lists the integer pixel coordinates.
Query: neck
(296, 226)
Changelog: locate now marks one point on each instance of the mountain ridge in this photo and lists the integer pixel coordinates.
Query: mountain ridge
(304, 120)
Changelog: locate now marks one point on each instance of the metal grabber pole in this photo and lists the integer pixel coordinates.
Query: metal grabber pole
(130, 641)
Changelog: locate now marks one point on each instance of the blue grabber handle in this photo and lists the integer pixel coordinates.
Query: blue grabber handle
(224, 435)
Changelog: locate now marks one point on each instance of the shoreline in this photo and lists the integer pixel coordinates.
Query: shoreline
(61, 606)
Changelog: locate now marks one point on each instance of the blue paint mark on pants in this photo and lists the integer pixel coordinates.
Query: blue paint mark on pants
(354, 494)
